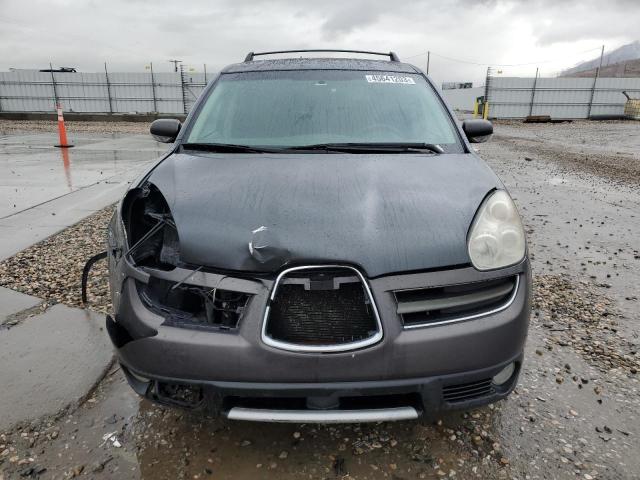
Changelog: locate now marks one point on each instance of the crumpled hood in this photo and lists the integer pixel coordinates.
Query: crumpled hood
(385, 213)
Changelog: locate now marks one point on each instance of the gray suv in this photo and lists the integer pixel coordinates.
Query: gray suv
(320, 244)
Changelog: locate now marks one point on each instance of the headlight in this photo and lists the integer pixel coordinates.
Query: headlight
(496, 238)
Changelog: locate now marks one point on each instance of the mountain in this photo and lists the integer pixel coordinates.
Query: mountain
(625, 53)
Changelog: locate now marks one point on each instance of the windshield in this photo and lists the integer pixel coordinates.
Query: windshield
(310, 107)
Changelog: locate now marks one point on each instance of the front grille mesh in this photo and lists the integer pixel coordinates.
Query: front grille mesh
(467, 391)
(321, 316)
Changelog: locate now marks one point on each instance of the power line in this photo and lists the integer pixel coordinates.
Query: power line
(481, 64)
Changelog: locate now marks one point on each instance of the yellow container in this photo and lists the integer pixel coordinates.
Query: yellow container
(632, 108)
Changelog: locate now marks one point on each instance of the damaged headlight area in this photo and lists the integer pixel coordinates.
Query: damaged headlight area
(151, 231)
(193, 306)
(154, 246)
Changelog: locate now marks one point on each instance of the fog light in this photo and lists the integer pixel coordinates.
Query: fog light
(505, 374)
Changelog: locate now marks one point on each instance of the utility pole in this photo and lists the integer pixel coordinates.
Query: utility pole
(55, 90)
(153, 89)
(599, 67)
(428, 58)
(595, 81)
(533, 93)
(106, 77)
(175, 64)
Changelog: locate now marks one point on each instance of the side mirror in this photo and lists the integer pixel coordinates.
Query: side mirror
(477, 131)
(165, 130)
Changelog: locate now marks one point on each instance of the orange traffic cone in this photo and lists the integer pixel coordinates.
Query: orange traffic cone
(62, 131)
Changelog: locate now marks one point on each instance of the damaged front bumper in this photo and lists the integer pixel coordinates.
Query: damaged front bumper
(421, 363)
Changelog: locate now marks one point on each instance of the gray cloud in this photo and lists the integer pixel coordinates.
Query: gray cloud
(348, 18)
(131, 33)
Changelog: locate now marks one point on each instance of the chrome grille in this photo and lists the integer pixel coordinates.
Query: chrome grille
(321, 309)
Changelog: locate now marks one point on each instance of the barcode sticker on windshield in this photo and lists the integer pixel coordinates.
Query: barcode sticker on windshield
(390, 79)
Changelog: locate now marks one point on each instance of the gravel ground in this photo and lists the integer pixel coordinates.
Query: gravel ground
(575, 314)
(16, 126)
(604, 148)
(574, 413)
(52, 269)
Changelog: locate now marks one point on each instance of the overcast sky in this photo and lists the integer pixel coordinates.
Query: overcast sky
(128, 34)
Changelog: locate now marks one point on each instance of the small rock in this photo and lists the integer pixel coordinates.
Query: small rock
(283, 454)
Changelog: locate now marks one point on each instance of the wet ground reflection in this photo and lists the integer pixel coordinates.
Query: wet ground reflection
(66, 165)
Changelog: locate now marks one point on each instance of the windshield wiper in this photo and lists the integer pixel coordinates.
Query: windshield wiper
(389, 147)
(327, 147)
(228, 148)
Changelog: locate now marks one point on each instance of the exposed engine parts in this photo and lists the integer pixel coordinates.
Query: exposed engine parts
(185, 305)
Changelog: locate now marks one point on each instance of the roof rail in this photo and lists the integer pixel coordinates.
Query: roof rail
(391, 55)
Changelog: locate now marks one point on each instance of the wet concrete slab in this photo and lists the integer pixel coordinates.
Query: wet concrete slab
(32, 171)
(60, 343)
(45, 189)
(12, 302)
(18, 232)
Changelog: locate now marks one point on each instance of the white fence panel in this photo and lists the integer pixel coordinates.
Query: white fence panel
(26, 91)
(176, 92)
(463, 98)
(560, 98)
(101, 92)
(169, 92)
